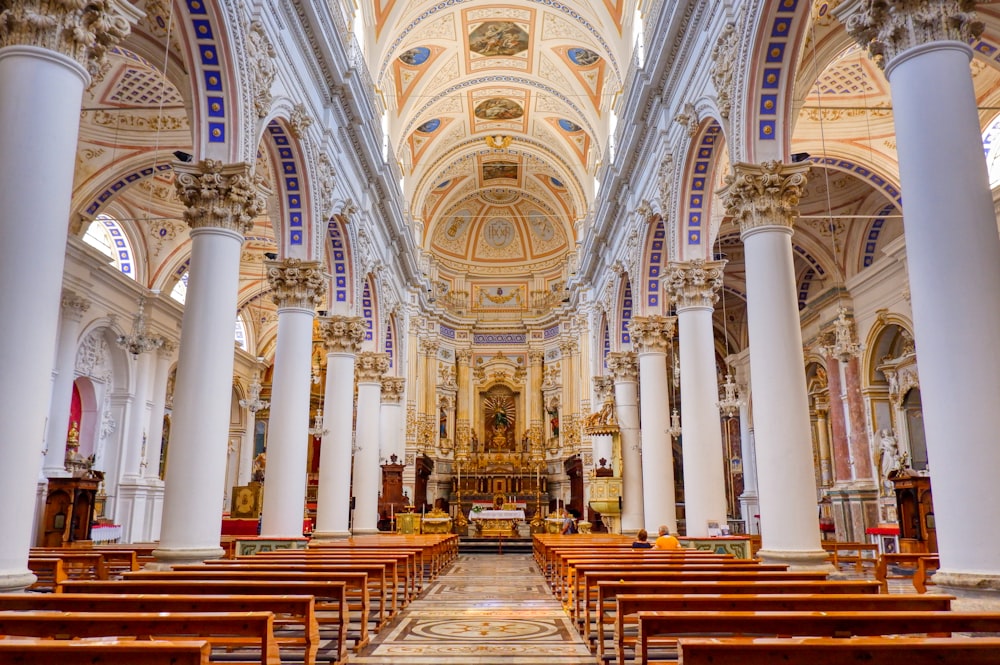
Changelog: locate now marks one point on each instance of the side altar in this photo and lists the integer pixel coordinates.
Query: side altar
(498, 523)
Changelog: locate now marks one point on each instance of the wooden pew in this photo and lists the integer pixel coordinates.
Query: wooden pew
(807, 624)
(566, 564)
(116, 561)
(851, 553)
(825, 651)
(51, 573)
(356, 586)
(609, 590)
(403, 561)
(629, 605)
(922, 565)
(332, 613)
(220, 629)
(105, 652)
(289, 611)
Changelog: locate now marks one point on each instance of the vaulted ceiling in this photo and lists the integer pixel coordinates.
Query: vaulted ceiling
(498, 114)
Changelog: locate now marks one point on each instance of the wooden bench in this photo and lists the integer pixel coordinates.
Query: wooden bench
(50, 573)
(922, 564)
(825, 651)
(230, 630)
(290, 612)
(609, 590)
(332, 613)
(401, 564)
(629, 605)
(116, 561)
(807, 624)
(106, 652)
(851, 553)
(558, 558)
(567, 566)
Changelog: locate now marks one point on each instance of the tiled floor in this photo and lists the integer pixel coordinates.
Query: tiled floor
(486, 609)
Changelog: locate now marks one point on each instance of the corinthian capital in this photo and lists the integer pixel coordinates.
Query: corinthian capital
(536, 356)
(604, 388)
(342, 334)
(623, 366)
(296, 283)
(429, 346)
(369, 367)
(393, 388)
(889, 27)
(652, 333)
(463, 356)
(694, 283)
(218, 195)
(767, 194)
(74, 306)
(83, 31)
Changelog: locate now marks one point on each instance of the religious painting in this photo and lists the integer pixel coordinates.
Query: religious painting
(494, 170)
(415, 56)
(498, 38)
(500, 415)
(499, 108)
(568, 125)
(430, 126)
(583, 57)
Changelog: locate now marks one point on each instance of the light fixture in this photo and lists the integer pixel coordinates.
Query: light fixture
(253, 403)
(317, 428)
(729, 404)
(138, 340)
(675, 418)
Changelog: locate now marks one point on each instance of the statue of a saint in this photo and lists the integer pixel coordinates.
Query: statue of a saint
(890, 459)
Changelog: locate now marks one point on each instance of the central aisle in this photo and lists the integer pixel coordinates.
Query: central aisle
(484, 609)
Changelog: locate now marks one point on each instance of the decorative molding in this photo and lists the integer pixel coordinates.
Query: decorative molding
(694, 284)
(393, 389)
(724, 60)
(299, 121)
(760, 195)
(296, 283)
(623, 366)
(218, 195)
(261, 54)
(688, 118)
(342, 334)
(370, 367)
(74, 306)
(652, 334)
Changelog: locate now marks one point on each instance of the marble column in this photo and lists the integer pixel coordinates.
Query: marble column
(221, 203)
(463, 429)
(297, 288)
(749, 503)
(536, 407)
(73, 309)
(48, 52)
(342, 336)
(391, 418)
(130, 508)
(369, 369)
(823, 443)
(763, 200)
(861, 456)
(839, 447)
(651, 336)
(429, 418)
(154, 443)
(693, 288)
(625, 370)
(953, 269)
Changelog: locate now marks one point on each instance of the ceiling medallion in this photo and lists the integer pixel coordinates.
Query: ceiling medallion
(499, 196)
(499, 142)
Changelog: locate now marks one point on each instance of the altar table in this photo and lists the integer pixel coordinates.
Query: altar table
(498, 523)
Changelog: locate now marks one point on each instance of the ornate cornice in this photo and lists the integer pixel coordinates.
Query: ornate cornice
(369, 367)
(217, 195)
(393, 388)
(760, 195)
(623, 366)
(83, 31)
(651, 334)
(889, 27)
(342, 334)
(74, 306)
(296, 283)
(694, 283)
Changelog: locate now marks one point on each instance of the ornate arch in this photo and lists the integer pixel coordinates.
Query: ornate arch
(339, 260)
(654, 259)
(292, 184)
(626, 307)
(696, 195)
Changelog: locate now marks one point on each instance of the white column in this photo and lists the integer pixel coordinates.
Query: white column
(651, 335)
(954, 269)
(693, 288)
(625, 371)
(133, 440)
(748, 499)
(221, 202)
(764, 200)
(43, 72)
(343, 337)
(154, 445)
(367, 472)
(73, 309)
(297, 287)
(391, 418)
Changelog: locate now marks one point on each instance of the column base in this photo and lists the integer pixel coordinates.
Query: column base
(319, 536)
(365, 532)
(56, 472)
(797, 559)
(16, 580)
(969, 585)
(167, 558)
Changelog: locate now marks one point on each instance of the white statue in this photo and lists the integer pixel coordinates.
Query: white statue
(890, 458)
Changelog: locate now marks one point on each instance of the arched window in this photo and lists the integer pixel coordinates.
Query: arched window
(991, 146)
(241, 334)
(106, 235)
(179, 293)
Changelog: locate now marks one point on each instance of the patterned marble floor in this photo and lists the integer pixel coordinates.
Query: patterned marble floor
(486, 609)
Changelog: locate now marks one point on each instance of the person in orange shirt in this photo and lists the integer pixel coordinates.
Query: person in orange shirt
(665, 541)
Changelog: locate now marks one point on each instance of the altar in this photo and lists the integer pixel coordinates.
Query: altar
(498, 523)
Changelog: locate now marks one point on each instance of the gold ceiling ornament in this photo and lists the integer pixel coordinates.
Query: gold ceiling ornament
(499, 142)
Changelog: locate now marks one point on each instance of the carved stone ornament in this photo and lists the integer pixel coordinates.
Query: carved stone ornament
(664, 182)
(724, 57)
(342, 334)
(889, 27)
(296, 283)
(429, 347)
(325, 186)
(83, 31)
(299, 121)
(652, 333)
(463, 356)
(536, 356)
(218, 195)
(767, 194)
(261, 55)
(604, 388)
(393, 388)
(688, 118)
(369, 367)
(694, 283)
(74, 306)
(623, 366)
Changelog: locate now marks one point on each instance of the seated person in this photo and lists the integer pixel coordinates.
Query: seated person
(569, 524)
(641, 541)
(666, 540)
